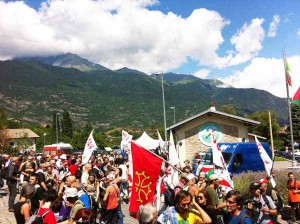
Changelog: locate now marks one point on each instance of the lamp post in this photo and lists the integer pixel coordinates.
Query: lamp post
(56, 120)
(44, 138)
(164, 107)
(173, 108)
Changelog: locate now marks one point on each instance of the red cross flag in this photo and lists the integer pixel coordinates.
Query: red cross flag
(146, 170)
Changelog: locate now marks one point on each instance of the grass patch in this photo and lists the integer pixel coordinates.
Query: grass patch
(280, 159)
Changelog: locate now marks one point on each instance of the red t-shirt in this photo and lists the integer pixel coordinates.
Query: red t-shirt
(72, 169)
(49, 218)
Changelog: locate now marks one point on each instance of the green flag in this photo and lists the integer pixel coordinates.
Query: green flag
(288, 72)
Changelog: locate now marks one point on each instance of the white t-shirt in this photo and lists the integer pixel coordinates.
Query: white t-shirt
(84, 177)
(124, 171)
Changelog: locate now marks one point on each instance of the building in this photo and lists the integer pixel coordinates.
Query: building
(194, 134)
(21, 139)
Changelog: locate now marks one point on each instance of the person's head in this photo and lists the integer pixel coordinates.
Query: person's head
(44, 167)
(118, 171)
(263, 185)
(291, 175)
(234, 201)
(203, 199)
(202, 176)
(187, 162)
(255, 189)
(29, 158)
(49, 170)
(183, 200)
(33, 179)
(109, 178)
(214, 179)
(92, 178)
(186, 169)
(106, 160)
(52, 163)
(73, 161)
(27, 191)
(48, 158)
(85, 216)
(147, 214)
(70, 181)
(50, 195)
(14, 160)
(87, 167)
(183, 179)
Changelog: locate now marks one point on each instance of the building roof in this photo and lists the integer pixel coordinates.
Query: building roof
(211, 111)
(21, 133)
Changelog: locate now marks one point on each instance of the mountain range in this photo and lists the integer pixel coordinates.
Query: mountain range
(34, 88)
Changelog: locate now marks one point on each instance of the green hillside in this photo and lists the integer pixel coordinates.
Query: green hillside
(32, 91)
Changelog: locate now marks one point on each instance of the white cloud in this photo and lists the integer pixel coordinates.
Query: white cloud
(298, 32)
(274, 26)
(114, 33)
(202, 73)
(247, 42)
(267, 74)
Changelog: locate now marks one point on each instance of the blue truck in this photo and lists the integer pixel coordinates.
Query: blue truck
(239, 157)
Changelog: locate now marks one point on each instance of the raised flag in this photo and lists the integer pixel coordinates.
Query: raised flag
(126, 139)
(266, 160)
(296, 98)
(161, 142)
(288, 73)
(218, 159)
(146, 170)
(173, 160)
(89, 147)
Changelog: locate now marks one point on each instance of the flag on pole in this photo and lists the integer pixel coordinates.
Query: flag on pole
(296, 98)
(89, 147)
(288, 73)
(161, 142)
(126, 139)
(220, 165)
(173, 160)
(266, 159)
(146, 170)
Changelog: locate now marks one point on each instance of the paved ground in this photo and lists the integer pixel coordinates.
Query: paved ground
(8, 217)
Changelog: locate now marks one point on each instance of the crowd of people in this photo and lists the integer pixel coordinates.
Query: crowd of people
(64, 190)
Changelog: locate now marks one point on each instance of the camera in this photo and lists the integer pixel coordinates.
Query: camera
(256, 204)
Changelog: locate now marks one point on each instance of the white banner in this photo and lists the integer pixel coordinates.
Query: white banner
(89, 147)
(266, 159)
(126, 139)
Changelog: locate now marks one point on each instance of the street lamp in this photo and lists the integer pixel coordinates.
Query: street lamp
(56, 120)
(164, 107)
(44, 138)
(173, 108)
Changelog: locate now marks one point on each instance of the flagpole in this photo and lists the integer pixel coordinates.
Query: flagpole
(271, 135)
(290, 114)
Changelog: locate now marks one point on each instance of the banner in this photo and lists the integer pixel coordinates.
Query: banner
(146, 170)
(126, 139)
(89, 147)
(266, 159)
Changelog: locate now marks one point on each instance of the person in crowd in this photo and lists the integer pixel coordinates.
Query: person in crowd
(12, 180)
(186, 170)
(182, 184)
(70, 181)
(85, 173)
(45, 210)
(147, 214)
(110, 202)
(83, 196)
(27, 168)
(205, 203)
(183, 211)
(91, 186)
(104, 164)
(97, 169)
(188, 163)
(261, 215)
(22, 207)
(84, 216)
(119, 180)
(38, 196)
(61, 210)
(192, 186)
(202, 183)
(41, 172)
(73, 202)
(293, 187)
(73, 168)
(50, 179)
(234, 204)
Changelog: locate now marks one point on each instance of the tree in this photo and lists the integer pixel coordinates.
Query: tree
(295, 112)
(264, 128)
(66, 123)
(228, 109)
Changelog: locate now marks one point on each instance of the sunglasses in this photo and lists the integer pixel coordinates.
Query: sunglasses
(200, 197)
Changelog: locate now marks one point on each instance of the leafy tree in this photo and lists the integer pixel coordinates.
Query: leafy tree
(264, 128)
(66, 123)
(295, 112)
(228, 109)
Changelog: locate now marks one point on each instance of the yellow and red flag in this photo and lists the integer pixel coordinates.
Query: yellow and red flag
(146, 170)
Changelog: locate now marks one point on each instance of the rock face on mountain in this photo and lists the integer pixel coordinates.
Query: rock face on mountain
(32, 89)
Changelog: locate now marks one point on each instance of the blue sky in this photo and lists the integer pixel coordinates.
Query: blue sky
(238, 42)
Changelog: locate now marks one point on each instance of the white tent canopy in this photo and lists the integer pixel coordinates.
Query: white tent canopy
(147, 142)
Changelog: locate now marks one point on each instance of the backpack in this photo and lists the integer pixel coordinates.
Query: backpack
(4, 172)
(279, 204)
(37, 219)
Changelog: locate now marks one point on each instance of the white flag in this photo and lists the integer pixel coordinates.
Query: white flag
(218, 159)
(173, 160)
(89, 147)
(266, 159)
(126, 139)
(161, 142)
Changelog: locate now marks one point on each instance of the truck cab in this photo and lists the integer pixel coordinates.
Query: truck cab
(57, 149)
(239, 157)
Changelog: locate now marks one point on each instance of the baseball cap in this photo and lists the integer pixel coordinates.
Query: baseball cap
(63, 156)
(110, 177)
(190, 176)
(263, 181)
(214, 177)
(48, 156)
(70, 192)
(255, 186)
(202, 174)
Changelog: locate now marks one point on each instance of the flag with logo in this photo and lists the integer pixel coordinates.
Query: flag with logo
(89, 147)
(288, 72)
(296, 98)
(220, 165)
(266, 159)
(126, 139)
(146, 170)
